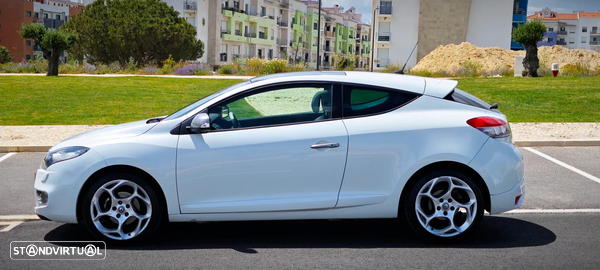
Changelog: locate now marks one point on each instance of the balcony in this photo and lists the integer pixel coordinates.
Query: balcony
(561, 42)
(594, 32)
(250, 35)
(190, 5)
(282, 42)
(595, 42)
(562, 33)
(327, 48)
(53, 23)
(282, 24)
(384, 36)
(385, 10)
(238, 32)
(262, 35)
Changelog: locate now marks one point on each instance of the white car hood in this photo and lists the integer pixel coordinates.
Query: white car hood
(103, 135)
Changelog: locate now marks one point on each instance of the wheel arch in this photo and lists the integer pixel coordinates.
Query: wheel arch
(122, 169)
(446, 165)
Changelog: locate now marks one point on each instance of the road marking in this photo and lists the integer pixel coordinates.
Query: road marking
(9, 225)
(4, 218)
(553, 211)
(587, 175)
(6, 156)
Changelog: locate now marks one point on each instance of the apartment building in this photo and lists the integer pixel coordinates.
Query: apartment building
(268, 29)
(13, 13)
(399, 24)
(577, 30)
(519, 18)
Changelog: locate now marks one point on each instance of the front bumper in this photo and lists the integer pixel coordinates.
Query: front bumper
(57, 189)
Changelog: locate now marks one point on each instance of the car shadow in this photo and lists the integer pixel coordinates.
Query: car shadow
(246, 237)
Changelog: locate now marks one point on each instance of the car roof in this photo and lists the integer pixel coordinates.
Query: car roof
(420, 85)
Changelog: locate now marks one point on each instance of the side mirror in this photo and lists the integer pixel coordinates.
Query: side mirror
(200, 123)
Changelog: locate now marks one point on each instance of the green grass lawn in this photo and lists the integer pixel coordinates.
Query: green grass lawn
(547, 99)
(40, 100)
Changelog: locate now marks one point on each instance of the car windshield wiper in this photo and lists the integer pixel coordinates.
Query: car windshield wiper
(155, 119)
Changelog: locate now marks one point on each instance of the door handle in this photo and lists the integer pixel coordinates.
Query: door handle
(324, 145)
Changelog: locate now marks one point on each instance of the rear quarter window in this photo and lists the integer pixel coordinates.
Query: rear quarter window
(363, 100)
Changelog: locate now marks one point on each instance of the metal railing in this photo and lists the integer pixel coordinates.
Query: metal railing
(561, 42)
(251, 35)
(562, 32)
(238, 32)
(282, 42)
(596, 42)
(282, 24)
(190, 5)
(385, 36)
(327, 48)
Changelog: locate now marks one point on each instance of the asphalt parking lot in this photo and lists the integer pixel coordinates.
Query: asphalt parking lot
(556, 228)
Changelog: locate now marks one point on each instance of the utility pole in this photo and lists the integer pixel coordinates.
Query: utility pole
(319, 38)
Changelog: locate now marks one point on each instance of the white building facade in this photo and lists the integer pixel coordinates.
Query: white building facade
(399, 24)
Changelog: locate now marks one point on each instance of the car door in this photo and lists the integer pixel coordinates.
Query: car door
(273, 149)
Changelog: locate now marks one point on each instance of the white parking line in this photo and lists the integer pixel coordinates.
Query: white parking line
(6, 156)
(587, 175)
(553, 211)
(9, 225)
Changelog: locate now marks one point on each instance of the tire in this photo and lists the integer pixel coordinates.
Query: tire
(444, 204)
(121, 208)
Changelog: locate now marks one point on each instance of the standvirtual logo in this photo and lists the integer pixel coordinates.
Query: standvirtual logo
(57, 250)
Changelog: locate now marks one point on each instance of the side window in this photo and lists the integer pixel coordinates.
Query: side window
(274, 106)
(359, 101)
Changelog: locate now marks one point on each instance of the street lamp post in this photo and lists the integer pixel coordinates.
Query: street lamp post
(319, 38)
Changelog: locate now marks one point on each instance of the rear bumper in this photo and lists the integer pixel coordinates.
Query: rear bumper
(508, 200)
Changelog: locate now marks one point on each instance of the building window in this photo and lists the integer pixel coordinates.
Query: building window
(550, 40)
(571, 40)
(584, 29)
(46, 15)
(563, 29)
(36, 15)
(28, 13)
(550, 29)
(58, 17)
(28, 42)
(28, 57)
(595, 30)
(583, 40)
(270, 53)
(385, 7)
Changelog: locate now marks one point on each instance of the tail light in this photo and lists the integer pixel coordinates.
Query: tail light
(493, 127)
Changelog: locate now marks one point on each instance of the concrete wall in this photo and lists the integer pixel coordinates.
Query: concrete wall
(442, 22)
(490, 23)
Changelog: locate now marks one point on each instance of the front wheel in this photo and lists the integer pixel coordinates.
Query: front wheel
(444, 205)
(121, 208)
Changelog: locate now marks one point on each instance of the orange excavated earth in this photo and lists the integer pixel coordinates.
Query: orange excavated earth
(451, 58)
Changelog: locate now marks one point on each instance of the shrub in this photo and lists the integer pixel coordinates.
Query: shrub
(226, 69)
(577, 69)
(254, 66)
(193, 69)
(275, 66)
(469, 69)
(150, 70)
(5, 56)
(392, 67)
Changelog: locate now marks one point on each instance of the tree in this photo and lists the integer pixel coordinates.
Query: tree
(52, 42)
(147, 31)
(529, 34)
(5, 56)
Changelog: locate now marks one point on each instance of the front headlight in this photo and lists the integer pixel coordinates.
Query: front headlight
(63, 154)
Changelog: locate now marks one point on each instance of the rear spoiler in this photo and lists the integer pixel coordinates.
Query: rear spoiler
(439, 88)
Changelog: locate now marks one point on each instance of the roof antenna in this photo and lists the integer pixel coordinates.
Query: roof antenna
(411, 53)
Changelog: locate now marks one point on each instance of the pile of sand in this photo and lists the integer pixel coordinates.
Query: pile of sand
(452, 58)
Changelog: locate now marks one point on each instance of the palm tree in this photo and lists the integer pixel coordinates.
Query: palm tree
(529, 34)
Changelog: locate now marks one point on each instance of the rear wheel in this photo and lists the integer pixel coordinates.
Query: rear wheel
(121, 208)
(444, 205)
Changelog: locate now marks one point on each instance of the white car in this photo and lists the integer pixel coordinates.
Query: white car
(308, 145)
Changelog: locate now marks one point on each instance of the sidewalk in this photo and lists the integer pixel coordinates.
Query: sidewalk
(41, 138)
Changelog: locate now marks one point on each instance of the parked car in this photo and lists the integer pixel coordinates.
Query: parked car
(307, 145)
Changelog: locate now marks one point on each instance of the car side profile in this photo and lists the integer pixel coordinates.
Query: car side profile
(306, 145)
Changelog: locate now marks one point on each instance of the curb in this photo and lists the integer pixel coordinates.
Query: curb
(540, 143)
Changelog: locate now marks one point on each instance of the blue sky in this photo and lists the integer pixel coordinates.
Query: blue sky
(560, 6)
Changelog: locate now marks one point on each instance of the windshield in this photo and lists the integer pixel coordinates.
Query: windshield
(200, 102)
